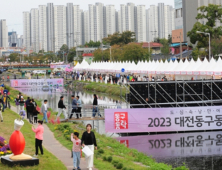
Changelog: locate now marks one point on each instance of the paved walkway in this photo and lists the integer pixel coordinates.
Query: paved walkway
(53, 146)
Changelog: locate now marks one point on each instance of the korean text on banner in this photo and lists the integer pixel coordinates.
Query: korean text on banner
(163, 119)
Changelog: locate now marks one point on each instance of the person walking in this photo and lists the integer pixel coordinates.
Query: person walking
(26, 104)
(1, 113)
(76, 149)
(44, 109)
(89, 139)
(74, 106)
(95, 106)
(79, 107)
(4, 101)
(38, 137)
(62, 109)
(35, 112)
(21, 103)
(17, 104)
(30, 108)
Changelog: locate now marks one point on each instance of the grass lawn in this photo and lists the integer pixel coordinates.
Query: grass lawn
(46, 162)
(109, 147)
(111, 89)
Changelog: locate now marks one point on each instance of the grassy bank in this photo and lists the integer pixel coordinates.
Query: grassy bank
(110, 89)
(47, 161)
(111, 154)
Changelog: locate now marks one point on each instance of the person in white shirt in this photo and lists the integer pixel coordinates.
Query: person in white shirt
(44, 109)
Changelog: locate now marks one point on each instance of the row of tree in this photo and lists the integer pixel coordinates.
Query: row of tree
(129, 52)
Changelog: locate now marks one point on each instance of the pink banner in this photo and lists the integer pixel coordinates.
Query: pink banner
(163, 119)
(36, 82)
(59, 66)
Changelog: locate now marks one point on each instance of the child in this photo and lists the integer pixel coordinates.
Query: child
(76, 150)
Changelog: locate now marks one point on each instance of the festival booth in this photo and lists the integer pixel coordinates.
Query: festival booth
(182, 70)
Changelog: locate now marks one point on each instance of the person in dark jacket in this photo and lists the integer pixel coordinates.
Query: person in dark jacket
(35, 112)
(5, 98)
(30, 109)
(95, 105)
(62, 108)
(74, 106)
(26, 104)
(89, 139)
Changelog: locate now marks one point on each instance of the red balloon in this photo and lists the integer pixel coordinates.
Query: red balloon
(17, 143)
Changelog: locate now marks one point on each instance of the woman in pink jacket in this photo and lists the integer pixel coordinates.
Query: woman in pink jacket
(38, 137)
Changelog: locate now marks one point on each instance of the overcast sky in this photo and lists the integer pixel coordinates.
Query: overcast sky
(12, 10)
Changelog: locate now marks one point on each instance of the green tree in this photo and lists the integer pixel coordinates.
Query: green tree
(100, 55)
(14, 57)
(211, 13)
(165, 50)
(92, 44)
(135, 52)
(71, 54)
(120, 38)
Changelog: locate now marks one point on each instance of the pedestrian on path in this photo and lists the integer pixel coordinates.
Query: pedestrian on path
(26, 104)
(35, 112)
(74, 106)
(62, 108)
(89, 139)
(95, 106)
(30, 108)
(21, 103)
(76, 149)
(17, 104)
(44, 110)
(1, 113)
(5, 99)
(79, 107)
(38, 137)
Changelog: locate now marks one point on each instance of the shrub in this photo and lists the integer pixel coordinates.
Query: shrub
(115, 163)
(101, 151)
(119, 166)
(104, 158)
(109, 159)
(124, 168)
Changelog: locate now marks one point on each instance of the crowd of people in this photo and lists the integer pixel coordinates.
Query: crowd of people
(88, 137)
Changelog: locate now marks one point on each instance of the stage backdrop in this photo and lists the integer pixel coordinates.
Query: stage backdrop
(35, 82)
(163, 119)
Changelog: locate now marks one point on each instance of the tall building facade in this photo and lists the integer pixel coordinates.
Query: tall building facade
(160, 21)
(141, 23)
(26, 31)
(70, 25)
(110, 20)
(3, 33)
(59, 26)
(43, 28)
(131, 17)
(50, 27)
(34, 18)
(77, 13)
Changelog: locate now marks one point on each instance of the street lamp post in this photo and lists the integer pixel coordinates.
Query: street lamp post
(206, 33)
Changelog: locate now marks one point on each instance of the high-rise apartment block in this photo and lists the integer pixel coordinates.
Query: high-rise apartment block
(50, 26)
(3, 33)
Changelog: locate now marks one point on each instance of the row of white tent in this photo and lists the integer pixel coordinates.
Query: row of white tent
(156, 67)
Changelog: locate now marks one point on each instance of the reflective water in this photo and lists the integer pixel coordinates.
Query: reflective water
(199, 151)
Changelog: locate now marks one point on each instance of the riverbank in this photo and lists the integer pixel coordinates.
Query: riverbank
(111, 153)
(111, 89)
(47, 162)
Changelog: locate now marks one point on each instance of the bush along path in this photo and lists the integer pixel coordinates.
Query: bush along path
(58, 150)
(111, 155)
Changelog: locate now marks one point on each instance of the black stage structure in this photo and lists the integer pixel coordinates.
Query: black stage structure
(174, 93)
